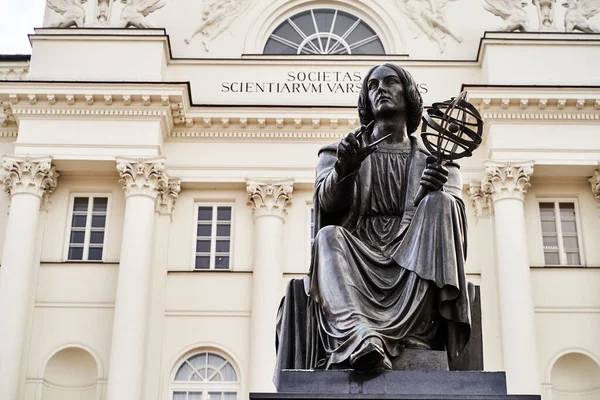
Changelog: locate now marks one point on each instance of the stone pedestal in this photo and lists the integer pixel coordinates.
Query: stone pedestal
(401, 385)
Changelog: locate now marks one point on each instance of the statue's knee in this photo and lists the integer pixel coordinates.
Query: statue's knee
(327, 233)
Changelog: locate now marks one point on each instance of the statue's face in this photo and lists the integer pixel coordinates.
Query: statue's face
(386, 92)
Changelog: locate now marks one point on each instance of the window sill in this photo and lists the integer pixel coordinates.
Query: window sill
(206, 271)
(565, 266)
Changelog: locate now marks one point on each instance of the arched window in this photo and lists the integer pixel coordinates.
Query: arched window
(205, 376)
(323, 31)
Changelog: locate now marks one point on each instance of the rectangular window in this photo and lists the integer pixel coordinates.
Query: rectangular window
(213, 236)
(559, 233)
(87, 232)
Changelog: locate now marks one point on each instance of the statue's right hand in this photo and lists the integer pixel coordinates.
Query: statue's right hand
(351, 151)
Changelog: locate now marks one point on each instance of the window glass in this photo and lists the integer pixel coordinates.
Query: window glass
(323, 31)
(206, 376)
(559, 233)
(88, 228)
(213, 237)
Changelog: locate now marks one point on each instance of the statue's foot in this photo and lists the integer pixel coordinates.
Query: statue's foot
(414, 343)
(370, 355)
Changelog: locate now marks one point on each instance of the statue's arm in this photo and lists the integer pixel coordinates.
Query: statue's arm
(334, 193)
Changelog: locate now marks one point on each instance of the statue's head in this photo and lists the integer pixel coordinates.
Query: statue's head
(400, 87)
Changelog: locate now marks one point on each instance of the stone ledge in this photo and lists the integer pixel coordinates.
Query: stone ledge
(306, 396)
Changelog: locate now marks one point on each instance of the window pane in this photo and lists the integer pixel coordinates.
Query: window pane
(230, 396)
(203, 246)
(204, 213)
(548, 227)
(229, 374)
(97, 237)
(224, 214)
(569, 227)
(202, 262)
(95, 253)
(215, 360)
(184, 373)
(570, 243)
(98, 221)
(78, 221)
(550, 243)
(223, 230)
(222, 246)
(214, 395)
(567, 210)
(547, 210)
(100, 204)
(77, 237)
(194, 395)
(75, 253)
(204, 230)
(80, 204)
(179, 395)
(573, 258)
(551, 258)
(222, 262)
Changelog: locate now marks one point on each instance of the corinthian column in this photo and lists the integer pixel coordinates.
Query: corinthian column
(507, 183)
(141, 180)
(269, 201)
(27, 181)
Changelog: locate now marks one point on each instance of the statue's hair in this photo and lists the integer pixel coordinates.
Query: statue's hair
(414, 101)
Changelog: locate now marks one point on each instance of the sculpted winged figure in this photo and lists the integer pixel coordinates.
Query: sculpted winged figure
(71, 13)
(135, 12)
(512, 12)
(578, 14)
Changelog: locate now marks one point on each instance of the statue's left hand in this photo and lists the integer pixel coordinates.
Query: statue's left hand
(434, 176)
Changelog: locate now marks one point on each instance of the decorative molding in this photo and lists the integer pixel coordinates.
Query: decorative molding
(167, 196)
(265, 135)
(33, 175)
(541, 115)
(595, 183)
(13, 73)
(269, 197)
(142, 177)
(480, 200)
(507, 180)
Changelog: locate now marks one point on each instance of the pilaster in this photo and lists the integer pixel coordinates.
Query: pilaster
(507, 179)
(269, 197)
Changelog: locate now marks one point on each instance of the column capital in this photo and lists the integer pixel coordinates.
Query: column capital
(34, 175)
(142, 176)
(269, 197)
(168, 192)
(507, 179)
(480, 200)
(595, 182)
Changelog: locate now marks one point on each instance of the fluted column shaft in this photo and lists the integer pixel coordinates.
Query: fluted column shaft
(28, 181)
(269, 201)
(507, 185)
(142, 180)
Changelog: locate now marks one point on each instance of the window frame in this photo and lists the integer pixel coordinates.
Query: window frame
(200, 386)
(561, 253)
(88, 226)
(213, 237)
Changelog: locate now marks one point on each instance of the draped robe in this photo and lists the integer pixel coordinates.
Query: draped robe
(380, 267)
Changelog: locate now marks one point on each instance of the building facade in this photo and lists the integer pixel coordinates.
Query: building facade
(159, 163)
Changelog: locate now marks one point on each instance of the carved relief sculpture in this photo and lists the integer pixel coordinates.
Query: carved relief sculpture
(71, 13)
(578, 14)
(217, 17)
(429, 17)
(512, 12)
(103, 12)
(545, 11)
(135, 12)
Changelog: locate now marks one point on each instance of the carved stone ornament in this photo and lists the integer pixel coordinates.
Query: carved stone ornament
(167, 196)
(512, 12)
(142, 177)
(71, 13)
(480, 200)
(578, 15)
(507, 180)
(135, 12)
(595, 182)
(269, 197)
(34, 175)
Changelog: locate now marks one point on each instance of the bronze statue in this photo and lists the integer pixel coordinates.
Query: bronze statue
(385, 274)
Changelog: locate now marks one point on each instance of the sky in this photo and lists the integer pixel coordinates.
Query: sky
(17, 20)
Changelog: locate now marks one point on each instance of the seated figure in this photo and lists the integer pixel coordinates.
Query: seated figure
(385, 273)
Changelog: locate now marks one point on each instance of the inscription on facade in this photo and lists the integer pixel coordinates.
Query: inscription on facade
(336, 82)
